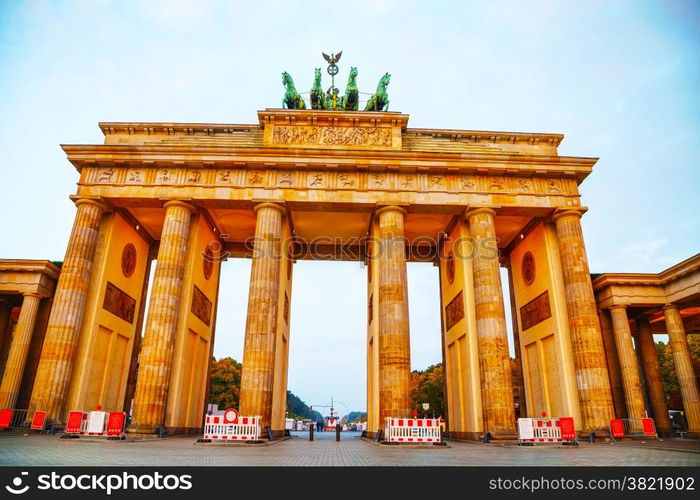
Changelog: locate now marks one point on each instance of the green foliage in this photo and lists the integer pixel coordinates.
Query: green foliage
(226, 386)
(668, 370)
(356, 416)
(297, 407)
(428, 387)
(225, 383)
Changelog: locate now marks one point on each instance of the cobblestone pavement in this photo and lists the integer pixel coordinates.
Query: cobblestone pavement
(324, 451)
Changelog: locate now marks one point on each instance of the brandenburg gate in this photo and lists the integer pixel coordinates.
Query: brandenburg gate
(333, 184)
(359, 185)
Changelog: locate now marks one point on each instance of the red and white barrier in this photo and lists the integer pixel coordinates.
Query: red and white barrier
(413, 430)
(546, 430)
(95, 423)
(633, 428)
(22, 419)
(231, 427)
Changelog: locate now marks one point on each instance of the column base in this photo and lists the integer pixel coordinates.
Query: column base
(464, 436)
(144, 429)
(502, 436)
(665, 432)
(601, 435)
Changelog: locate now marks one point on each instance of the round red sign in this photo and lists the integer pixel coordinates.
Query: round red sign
(230, 416)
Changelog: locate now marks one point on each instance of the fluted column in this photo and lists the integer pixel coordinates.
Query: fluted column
(652, 376)
(492, 338)
(61, 340)
(594, 392)
(17, 357)
(618, 391)
(683, 361)
(5, 310)
(161, 325)
(634, 397)
(258, 373)
(393, 332)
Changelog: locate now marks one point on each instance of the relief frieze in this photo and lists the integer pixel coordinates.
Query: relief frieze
(350, 180)
(339, 136)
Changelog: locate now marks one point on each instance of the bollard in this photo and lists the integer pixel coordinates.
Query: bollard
(311, 432)
(337, 432)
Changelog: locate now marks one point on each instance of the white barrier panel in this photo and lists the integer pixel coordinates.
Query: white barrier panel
(243, 429)
(546, 430)
(413, 430)
(95, 423)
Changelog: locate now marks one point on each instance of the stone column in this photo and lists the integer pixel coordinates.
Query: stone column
(17, 357)
(652, 376)
(158, 341)
(257, 376)
(586, 339)
(618, 391)
(5, 310)
(61, 340)
(683, 361)
(393, 331)
(492, 337)
(634, 397)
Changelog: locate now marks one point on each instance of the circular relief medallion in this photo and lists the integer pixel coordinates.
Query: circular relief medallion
(128, 259)
(450, 268)
(528, 268)
(208, 262)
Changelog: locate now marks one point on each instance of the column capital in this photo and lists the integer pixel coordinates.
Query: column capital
(180, 203)
(670, 306)
(390, 208)
(33, 294)
(563, 212)
(479, 210)
(618, 306)
(98, 202)
(268, 204)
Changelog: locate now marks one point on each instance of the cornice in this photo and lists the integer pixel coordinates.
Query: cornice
(663, 278)
(117, 155)
(25, 265)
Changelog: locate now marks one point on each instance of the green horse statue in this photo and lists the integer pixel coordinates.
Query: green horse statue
(352, 94)
(291, 99)
(380, 99)
(317, 96)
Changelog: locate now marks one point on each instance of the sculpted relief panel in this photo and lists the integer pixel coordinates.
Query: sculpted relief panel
(332, 136)
(307, 179)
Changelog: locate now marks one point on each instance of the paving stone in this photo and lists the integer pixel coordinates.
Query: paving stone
(325, 451)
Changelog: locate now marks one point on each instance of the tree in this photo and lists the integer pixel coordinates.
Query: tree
(296, 406)
(668, 370)
(226, 387)
(427, 387)
(225, 383)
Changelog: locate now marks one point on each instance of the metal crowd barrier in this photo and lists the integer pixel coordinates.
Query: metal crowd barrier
(413, 430)
(533, 431)
(11, 418)
(633, 428)
(243, 429)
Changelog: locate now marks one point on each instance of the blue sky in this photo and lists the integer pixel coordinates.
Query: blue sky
(619, 79)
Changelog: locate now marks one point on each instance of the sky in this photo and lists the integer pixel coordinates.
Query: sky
(619, 78)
